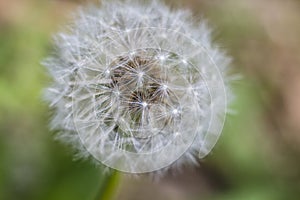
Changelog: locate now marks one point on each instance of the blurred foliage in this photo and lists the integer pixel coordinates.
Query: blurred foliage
(253, 159)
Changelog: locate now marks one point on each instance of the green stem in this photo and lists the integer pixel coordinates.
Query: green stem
(107, 189)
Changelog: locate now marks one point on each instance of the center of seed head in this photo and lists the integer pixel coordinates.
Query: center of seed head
(144, 101)
(128, 75)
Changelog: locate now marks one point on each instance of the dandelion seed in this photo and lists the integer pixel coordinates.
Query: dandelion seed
(164, 87)
(162, 58)
(144, 104)
(175, 111)
(184, 61)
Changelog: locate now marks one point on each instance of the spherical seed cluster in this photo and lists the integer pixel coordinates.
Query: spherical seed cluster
(138, 87)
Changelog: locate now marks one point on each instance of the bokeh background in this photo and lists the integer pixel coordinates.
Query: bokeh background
(256, 158)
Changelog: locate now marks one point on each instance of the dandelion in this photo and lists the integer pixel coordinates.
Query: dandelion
(138, 87)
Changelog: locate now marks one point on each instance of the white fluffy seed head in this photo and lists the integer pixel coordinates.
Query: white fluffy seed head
(138, 87)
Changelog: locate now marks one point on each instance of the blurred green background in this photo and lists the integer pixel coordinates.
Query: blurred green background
(256, 158)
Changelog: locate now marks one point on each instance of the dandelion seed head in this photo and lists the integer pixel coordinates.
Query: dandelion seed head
(138, 87)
